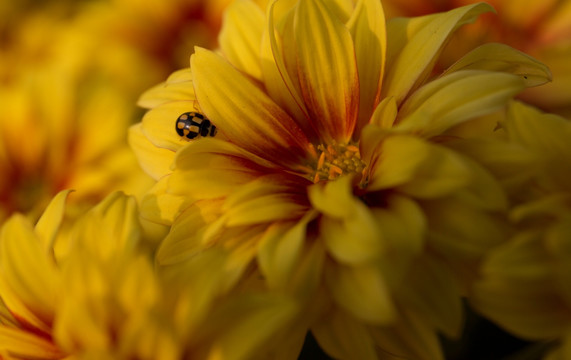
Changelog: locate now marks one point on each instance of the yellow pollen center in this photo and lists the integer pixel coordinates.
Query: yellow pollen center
(336, 160)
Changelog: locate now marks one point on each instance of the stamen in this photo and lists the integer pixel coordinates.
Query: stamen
(335, 160)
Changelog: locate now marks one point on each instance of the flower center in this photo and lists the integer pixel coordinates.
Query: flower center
(335, 160)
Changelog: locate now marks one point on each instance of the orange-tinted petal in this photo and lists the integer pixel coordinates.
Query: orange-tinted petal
(327, 70)
(244, 113)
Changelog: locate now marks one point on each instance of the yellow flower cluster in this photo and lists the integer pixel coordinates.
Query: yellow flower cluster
(322, 170)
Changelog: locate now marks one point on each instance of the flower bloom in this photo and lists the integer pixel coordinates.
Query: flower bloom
(327, 174)
(524, 284)
(541, 29)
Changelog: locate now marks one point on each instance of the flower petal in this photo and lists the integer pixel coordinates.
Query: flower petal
(166, 92)
(244, 113)
(503, 58)
(241, 36)
(362, 291)
(154, 160)
(29, 283)
(415, 43)
(26, 345)
(159, 124)
(432, 290)
(344, 337)
(48, 225)
(444, 102)
(410, 338)
(160, 206)
(367, 27)
(418, 168)
(327, 70)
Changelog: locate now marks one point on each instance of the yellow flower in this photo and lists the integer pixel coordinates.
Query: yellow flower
(327, 174)
(92, 293)
(64, 119)
(540, 29)
(525, 283)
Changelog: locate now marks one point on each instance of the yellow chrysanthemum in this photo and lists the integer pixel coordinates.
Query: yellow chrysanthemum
(93, 293)
(539, 28)
(525, 283)
(327, 173)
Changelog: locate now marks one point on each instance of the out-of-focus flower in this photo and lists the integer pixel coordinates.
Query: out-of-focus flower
(525, 284)
(93, 293)
(539, 28)
(327, 173)
(66, 110)
(90, 292)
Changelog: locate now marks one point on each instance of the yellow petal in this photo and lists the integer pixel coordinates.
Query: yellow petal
(277, 79)
(248, 323)
(418, 168)
(344, 337)
(185, 236)
(409, 338)
(201, 162)
(503, 58)
(414, 46)
(517, 292)
(327, 70)
(362, 291)
(385, 113)
(160, 206)
(241, 36)
(167, 92)
(432, 290)
(159, 124)
(280, 251)
(333, 198)
(24, 344)
(30, 281)
(48, 225)
(367, 26)
(244, 113)
(353, 238)
(154, 160)
(444, 102)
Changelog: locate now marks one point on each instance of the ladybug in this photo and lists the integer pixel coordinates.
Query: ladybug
(191, 125)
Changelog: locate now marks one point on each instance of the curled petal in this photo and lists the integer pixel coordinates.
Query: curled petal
(415, 43)
(48, 225)
(154, 160)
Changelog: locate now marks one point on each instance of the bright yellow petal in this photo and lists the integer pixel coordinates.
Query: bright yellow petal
(167, 92)
(444, 102)
(385, 113)
(244, 113)
(30, 281)
(362, 291)
(367, 26)
(155, 161)
(344, 337)
(503, 58)
(159, 124)
(415, 43)
(241, 36)
(327, 70)
(160, 206)
(48, 225)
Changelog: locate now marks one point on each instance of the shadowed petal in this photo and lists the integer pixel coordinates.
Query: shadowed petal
(154, 160)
